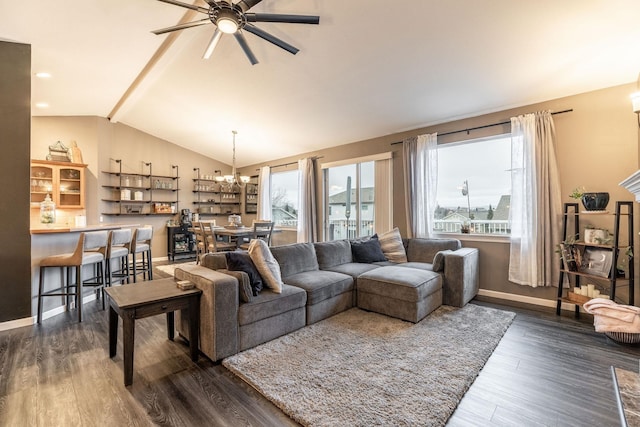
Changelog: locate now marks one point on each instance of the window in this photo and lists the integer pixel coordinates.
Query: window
(357, 197)
(474, 186)
(284, 198)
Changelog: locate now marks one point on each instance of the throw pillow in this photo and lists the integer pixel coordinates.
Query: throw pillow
(240, 261)
(266, 265)
(392, 247)
(244, 284)
(438, 260)
(367, 251)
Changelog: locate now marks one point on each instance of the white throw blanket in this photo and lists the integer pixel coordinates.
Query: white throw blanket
(611, 317)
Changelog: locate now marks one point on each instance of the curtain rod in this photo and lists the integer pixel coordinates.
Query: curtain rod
(292, 163)
(485, 126)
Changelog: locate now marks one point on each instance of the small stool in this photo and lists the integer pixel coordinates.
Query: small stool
(81, 256)
(406, 293)
(141, 244)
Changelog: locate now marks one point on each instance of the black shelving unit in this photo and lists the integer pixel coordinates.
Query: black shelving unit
(214, 198)
(180, 242)
(618, 248)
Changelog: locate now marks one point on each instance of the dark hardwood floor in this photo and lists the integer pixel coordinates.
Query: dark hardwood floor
(546, 371)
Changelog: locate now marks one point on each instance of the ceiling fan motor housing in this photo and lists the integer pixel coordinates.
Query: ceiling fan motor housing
(222, 10)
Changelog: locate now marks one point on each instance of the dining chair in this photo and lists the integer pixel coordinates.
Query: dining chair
(261, 230)
(216, 242)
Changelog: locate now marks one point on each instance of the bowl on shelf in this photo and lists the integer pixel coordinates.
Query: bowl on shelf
(595, 201)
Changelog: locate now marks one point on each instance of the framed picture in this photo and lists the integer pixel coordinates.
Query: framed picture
(597, 261)
(569, 252)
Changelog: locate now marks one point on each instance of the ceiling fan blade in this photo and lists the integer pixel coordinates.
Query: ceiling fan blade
(270, 38)
(182, 26)
(212, 44)
(186, 5)
(276, 17)
(245, 5)
(245, 47)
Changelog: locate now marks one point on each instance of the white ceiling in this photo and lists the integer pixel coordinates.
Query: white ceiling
(371, 67)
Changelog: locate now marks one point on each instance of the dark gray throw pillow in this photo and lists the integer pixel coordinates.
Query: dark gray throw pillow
(240, 261)
(367, 251)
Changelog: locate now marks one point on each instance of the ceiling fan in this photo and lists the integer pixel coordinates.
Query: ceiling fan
(230, 18)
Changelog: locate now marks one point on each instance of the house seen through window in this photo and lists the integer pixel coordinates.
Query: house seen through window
(474, 186)
(284, 198)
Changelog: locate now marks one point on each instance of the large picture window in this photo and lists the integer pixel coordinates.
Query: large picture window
(474, 186)
(284, 198)
(357, 200)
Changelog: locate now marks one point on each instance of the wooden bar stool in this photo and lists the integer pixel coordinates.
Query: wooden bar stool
(117, 256)
(87, 253)
(141, 244)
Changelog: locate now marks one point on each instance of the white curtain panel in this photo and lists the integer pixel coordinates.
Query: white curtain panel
(307, 228)
(264, 193)
(420, 159)
(383, 216)
(536, 200)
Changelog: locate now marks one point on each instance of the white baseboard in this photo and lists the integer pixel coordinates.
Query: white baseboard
(28, 321)
(525, 299)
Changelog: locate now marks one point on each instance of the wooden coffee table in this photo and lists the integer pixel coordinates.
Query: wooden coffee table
(144, 299)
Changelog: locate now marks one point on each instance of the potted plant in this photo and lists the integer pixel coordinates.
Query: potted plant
(592, 201)
(596, 235)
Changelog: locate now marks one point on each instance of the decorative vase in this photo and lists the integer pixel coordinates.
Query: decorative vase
(595, 201)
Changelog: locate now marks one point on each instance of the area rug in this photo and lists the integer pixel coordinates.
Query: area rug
(170, 268)
(360, 368)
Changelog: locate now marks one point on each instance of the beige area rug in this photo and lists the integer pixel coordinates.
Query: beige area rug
(170, 268)
(361, 369)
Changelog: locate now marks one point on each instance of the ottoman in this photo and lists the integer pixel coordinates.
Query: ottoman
(406, 293)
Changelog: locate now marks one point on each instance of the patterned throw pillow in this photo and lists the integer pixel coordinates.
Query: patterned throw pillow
(266, 265)
(392, 247)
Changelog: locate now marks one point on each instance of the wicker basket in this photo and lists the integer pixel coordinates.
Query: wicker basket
(624, 337)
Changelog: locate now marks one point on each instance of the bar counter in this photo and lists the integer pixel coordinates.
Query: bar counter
(68, 229)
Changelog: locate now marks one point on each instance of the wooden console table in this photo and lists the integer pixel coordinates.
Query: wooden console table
(139, 300)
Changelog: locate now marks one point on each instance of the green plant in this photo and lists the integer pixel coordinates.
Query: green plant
(577, 193)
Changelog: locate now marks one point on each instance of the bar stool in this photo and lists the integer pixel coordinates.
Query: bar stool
(141, 244)
(118, 253)
(82, 256)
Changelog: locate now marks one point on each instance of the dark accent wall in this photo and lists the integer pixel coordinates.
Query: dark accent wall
(15, 137)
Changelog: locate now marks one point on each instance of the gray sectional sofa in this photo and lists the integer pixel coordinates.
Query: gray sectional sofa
(321, 280)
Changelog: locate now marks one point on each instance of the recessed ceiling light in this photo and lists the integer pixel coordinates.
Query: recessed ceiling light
(43, 75)
(42, 105)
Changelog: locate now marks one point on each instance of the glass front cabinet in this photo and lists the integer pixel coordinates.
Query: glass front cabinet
(63, 181)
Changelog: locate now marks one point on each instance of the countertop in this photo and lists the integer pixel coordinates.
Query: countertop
(68, 229)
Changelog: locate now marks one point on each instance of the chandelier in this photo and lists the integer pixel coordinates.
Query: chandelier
(235, 179)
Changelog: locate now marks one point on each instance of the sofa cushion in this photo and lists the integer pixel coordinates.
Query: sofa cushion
(244, 284)
(321, 285)
(266, 264)
(392, 246)
(353, 269)
(406, 284)
(423, 250)
(417, 265)
(333, 253)
(241, 261)
(295, 258)
(269, 304)
(367, 251)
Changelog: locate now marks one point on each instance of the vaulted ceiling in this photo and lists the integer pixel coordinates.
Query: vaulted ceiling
(370, 68)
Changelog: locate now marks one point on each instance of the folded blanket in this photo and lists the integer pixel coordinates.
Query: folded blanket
(609, 316)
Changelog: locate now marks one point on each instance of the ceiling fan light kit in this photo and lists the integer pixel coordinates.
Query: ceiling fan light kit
(230, 18)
